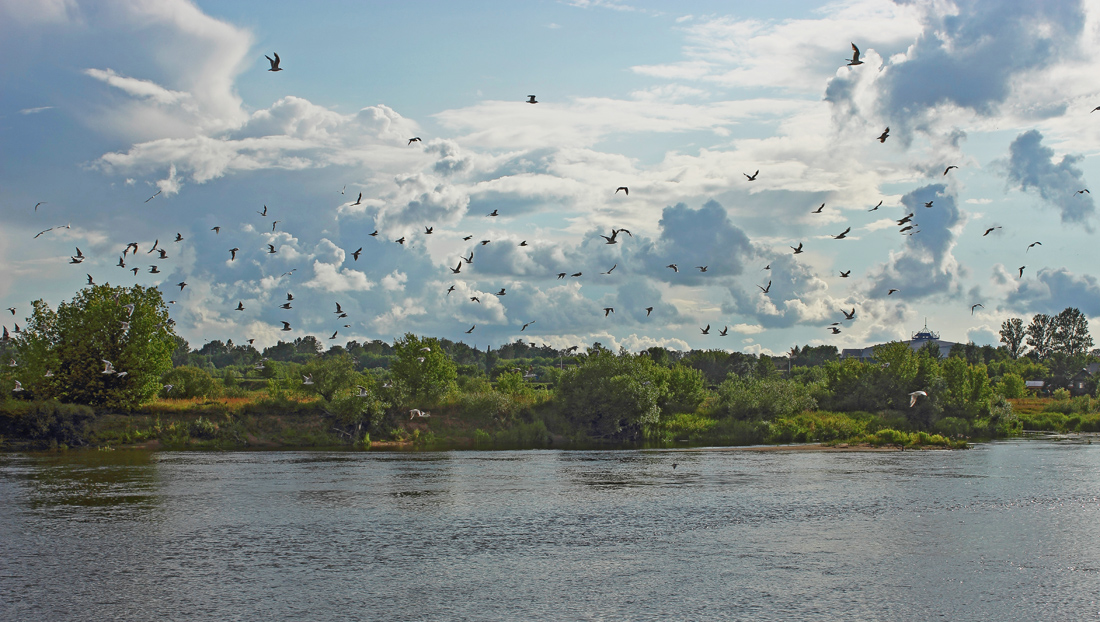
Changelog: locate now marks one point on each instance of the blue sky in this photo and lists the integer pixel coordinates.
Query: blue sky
(103, 104)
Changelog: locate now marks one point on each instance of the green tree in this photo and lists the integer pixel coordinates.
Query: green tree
(189, 382)
(423, 369)
(1013, 336)
(611, 396)
(331, 374)
(92, 328)
(685, 390)
(1040, 335)
(1011, 386)
(763, 398)
(1071, 333)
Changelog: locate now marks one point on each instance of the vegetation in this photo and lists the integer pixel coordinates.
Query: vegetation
(361, 394)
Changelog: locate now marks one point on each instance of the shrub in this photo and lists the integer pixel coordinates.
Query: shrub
(189, 382)
(46, 423)
(753, 398)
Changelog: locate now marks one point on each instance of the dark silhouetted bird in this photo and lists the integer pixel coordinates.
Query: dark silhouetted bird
(274, 62)
(854, 60)
(753, 176)
(884, 135)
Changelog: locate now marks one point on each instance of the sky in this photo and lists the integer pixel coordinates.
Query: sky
(137, 120)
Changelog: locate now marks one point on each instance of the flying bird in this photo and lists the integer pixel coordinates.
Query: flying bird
(705, 331)
(493, 213)
(892, 291)
(975, 306)
(428, 230)
(475, 299)
(766, 289)
(414, 139)
(471, 329)
(702, 268)
(334, 335)
(457, 269)
(271, 249)
(836, 331)
(264, 213)
(374, 235)
(400, 240)
(274, 62)
(152, 197)
(338, 309)
(875, 207)
(674, 267)
(929, 203)
(275, 223)
(286, 326)
(624, 189)
(1021, 272)
(946, 170)
(523, 243)
(818, 210)
(913, 397)
(108, 368)
(355, 255)
(501, 292)
(240, 306)
(1033, 244)
(182, 284)
(724, 331)
(531, 99)
(850, 315)
(1086, 190)
(854, 60)
(216, 230)
(179, 237)
(90, 281)
(989, 230)
(37, 204)
(648, 310)
(526, 325)
(753, 176)
(450, 289)
(612, 269)
(843, 234)
(884, 135)
(797, 250)
(608, 310)
(359, 200)
(844, 275)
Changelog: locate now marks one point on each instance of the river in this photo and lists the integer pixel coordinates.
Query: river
(1004, 531)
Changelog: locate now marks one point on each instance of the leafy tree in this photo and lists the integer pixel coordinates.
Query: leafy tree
(73, 341)
(1013, 336)
(422, 369)
(685, 389)
(332, 374)
(1040, 335)
(611, 396)
(1071, 333)
(1011, 386)
(763, 398)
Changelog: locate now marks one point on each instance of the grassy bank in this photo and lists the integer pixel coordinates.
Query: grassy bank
(486, 420)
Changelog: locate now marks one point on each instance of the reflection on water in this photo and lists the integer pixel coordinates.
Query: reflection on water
(1004, 531)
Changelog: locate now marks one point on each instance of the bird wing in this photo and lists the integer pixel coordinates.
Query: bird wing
(855, 53)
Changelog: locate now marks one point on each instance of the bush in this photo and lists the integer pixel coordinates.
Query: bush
(1012, 386)
(189, 382)
(753, 398)
(44, 424)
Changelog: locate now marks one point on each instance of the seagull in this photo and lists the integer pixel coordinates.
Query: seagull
(129, 309)
(264, 213)
(163, 253)
(450, 289)
(705, 331)
(561, 275)
(152, 270)
(531, 99)
(753, 176)
(945, 171)
(12, 309)
(286, 326)
(467, 238)
(359, 200)
(843, 234)
(18, 386)
(179, 237)
(307, 379)
(797, 250)
(892, 291)
(854, 60)
(624, 189)
(1021, 272)
(1086, 190)
(674, 267)
(608, 310)
(523, 243)
(415, 139)
(724, 331)
(334, 335)
(875, 207)
(493, 213)
(850, 315)
(471, 329)
(612, 269)
(648, 310)
(836, 331)
(457, 269)
(768, 267)
(285, 305)
(107, 368)
(884, 135)
(216, 230)
(469, 259)
(484, 242)
(362, 391)
(1033, 244)
(374, 235)
(906, 219)
(90, 281)
(240, 306)
(989, 230)
(475, 299)
(766, 289)
(121, 263)
(702, 268)
(501, 292)
(289, 296)
(271, 249)
(155, 244)
(400, 240)
(274, 62)
(428, 230)
(904, 229)
(182, 284)
(355, 255)
(275, 223)
(526, 325)
(132, 245)
(928, 204)
(37, 204)
(844, 275)
(338, 309)
(975, 306)
(913, 397)
(818, 210)
(152, 197)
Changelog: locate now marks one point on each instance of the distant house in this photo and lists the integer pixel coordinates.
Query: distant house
(1035, 386)
(1079, 383)
(919, 339)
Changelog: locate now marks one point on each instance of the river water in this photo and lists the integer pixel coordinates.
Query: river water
(1004, 531)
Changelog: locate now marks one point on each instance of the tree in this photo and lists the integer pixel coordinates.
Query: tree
(331, 374)
(1040, 335)
(1013, 335)
(74, 341)
(189, 382)
(423, 369)
(612, 396)
(1071, 333)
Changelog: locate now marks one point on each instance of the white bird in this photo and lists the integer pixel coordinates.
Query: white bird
(913, 397)
(18, 386)
(108, 368)
(416, 412)
(362, 391)
(307, 379)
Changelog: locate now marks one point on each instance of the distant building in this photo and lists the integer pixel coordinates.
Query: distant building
(919, 339)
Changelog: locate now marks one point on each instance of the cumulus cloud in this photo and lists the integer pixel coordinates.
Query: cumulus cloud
(1031, 166)
(330, 278)
(1055, 289)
